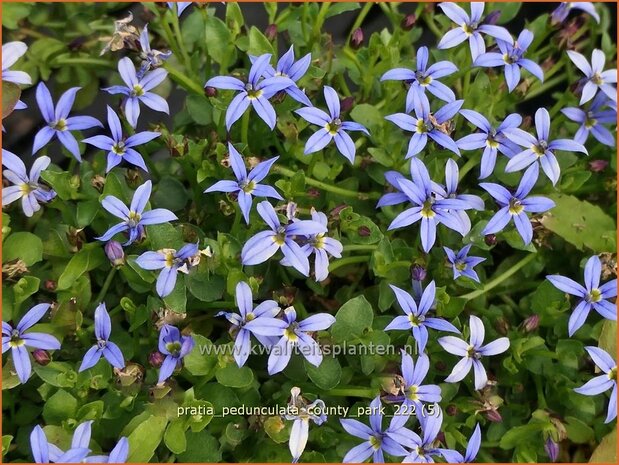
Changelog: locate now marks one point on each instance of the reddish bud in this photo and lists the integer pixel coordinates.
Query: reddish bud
(364, 231)
(490, 239)
(452, 410)
(50, 285)
(210, 91)
(115, 253)
(271, 31)
(418, 273)
(357, 38)
(493, 416)
(597, 166)
(41, 357)
(347, 103)
(155, 359)
(530, 324)
(408, 22)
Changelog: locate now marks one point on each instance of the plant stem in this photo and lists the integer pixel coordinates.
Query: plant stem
(329, 187)
(106, 286)
(348, 261)
(60, 61)
(181, 43)
(544, 88)
(320, 19)
(429, 20)
(499, 279)
(184, 80)
(468, 166)
(354, 247)
(245, 128)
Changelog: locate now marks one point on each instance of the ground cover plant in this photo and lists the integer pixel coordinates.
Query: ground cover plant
(315, 232)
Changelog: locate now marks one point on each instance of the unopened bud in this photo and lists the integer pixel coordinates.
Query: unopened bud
(440, 365)
(364, 231)
(493, 416)
(357, 38)
(313, 193)
(115, 253)
(490, 239)
(502, 326)
(597, 166)
(210, 91)
(530, 324)
(526, 122)
(451, 410)
(552, 449)
(347, 104)
(492, 17)
(50, 285)
(271, 31)
(418, 273)
(408, 22)
(155, 359)
(41, 356)
(98, 182)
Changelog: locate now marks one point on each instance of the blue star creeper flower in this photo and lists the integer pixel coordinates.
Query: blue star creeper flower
(11, 52)
(332, 127)
(256, 92)
(414, 392)
(472, 449)
(472, 352)
(427, 208)
(59, 123)
(491, 139)
(512, 58)
(595, 76)
(416, 318)
(426, 125)
(137, 90)
(376, 440)
(462, 264)
(470, 27)
(265, 312)
(592, 295)
(104, 347)
(151, 59)
(424, 78)
(170, 262)
(293, 70)
(17, 340)
(423, 449)
(299, 432)
(134, 218)
(516, 206)
(118, 147)
(560, 13)
(265, 244)
(591, 121)
(175, 347)
(540, 148)
(603, 382)
(246, 185)
(25, 187)
(292, 334)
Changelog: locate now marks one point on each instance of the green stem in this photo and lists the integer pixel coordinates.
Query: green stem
(468, 166)
(181, 44)
(352, 392)
(106, 286)
(348, 261)
(429, 20)
(544, 88)
(359, 21)
(320, 19)
(329, 187)
(245, 128)
(499, 279)
(355, 247)
(183, 80)
(61, 61)
(541, 399)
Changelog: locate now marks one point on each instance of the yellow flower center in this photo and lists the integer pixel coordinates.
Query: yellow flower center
(60, 125)
(412, 392)
(594, 296)
(375, 442)
(426, 210)
(515, 207)
(138, 91)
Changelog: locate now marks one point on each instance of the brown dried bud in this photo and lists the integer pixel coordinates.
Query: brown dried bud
(502, 326)
(98, 182)
(14, 269)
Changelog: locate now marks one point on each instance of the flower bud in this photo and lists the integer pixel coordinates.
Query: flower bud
(41, 357)
(502, 326)
(347, 103)
(313, 193)
(597, 166)
(530, 324)
(493, 416)
(418, 273)
(271, 31)
(440, 365)
(364, 231)
(490, 239)
(552, 449)
(115, 253)
(408, 22)
(98, 182)
(50, 285)
(451, 410)
(155, 359)
(492, 17)
(357, 38)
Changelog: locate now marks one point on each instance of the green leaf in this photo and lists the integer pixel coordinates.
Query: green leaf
(202, 447)
(258, 43)
(60, 181)
(581, 224)
(86, 212)
(339, 8)
(608, 337)
(25, 287)
(327, 375)
(520, 434)
(606, 451)
(61, 406)
(235, 377)
(82, 262)
(204, 286)
(578, 431)
(58, 374)
(174, 437)
(13, 13)
(352, 320)
(197, 363)
(368, 115)
(10, 96)
(145, 438)
(217, 39)
(200, 109)
(24, 246)
(170, 194)
(508, 10)
(6, 442)
(177, 299)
